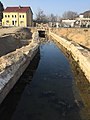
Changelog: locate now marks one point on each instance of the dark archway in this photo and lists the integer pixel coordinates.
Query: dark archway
(41, 33)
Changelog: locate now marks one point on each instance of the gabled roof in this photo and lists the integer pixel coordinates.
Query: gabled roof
(17, 9)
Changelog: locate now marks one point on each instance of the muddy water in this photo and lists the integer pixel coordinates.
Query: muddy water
(46, 91)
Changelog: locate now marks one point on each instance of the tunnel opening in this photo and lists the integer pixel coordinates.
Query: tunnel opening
(41, 33)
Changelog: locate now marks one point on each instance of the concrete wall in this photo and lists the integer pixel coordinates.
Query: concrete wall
(13, 65)
(80, 55)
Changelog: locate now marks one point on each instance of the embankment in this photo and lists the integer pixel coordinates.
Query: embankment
(17, 49)
(13, 65)
(80, 55)
(79, 35)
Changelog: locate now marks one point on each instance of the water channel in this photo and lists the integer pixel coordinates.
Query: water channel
(46, 91)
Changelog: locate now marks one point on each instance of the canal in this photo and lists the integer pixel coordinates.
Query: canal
(46, 91)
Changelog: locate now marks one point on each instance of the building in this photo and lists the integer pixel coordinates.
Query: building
(68, 23)
(17, 16)
(84, 19)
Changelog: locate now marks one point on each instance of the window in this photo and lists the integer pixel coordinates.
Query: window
(12, 22)
(20, 16)
(15, 16)
(23, 16)
(7, 21)
(8, 15)
(21, 22)
(12, 16)
(5, 15)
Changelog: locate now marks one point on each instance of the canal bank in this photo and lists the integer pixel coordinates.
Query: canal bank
(13, 65)
(80, 55)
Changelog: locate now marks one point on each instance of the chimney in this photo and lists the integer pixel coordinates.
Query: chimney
(19, 6)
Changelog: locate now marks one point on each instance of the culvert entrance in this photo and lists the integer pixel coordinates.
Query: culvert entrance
(41, 33)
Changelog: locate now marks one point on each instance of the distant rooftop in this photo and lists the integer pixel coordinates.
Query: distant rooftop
(86, 14)
(17, 9)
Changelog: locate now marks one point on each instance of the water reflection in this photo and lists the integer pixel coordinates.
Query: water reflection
(8, 106)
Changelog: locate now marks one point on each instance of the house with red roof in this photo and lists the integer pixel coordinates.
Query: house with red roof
(17, 16)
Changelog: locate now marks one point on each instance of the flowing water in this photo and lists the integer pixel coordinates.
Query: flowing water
(46, 91)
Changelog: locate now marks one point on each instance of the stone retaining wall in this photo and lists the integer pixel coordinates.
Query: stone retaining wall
(80, 55)
(13, 65)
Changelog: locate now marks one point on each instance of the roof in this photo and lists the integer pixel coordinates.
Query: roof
(17, 9)
(86, 13)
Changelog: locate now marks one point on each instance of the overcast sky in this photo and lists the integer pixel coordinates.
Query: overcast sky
(56, 7)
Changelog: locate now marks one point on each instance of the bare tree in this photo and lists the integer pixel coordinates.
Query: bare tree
(69, 15)
(40, 16)
(52, 18)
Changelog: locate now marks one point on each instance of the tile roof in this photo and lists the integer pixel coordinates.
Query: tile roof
(17, 9)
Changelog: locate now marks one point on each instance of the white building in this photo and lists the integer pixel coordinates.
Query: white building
(68, 23)
(83, 21)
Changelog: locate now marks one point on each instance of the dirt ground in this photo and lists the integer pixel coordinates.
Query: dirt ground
(79, 35)
(13, 38)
